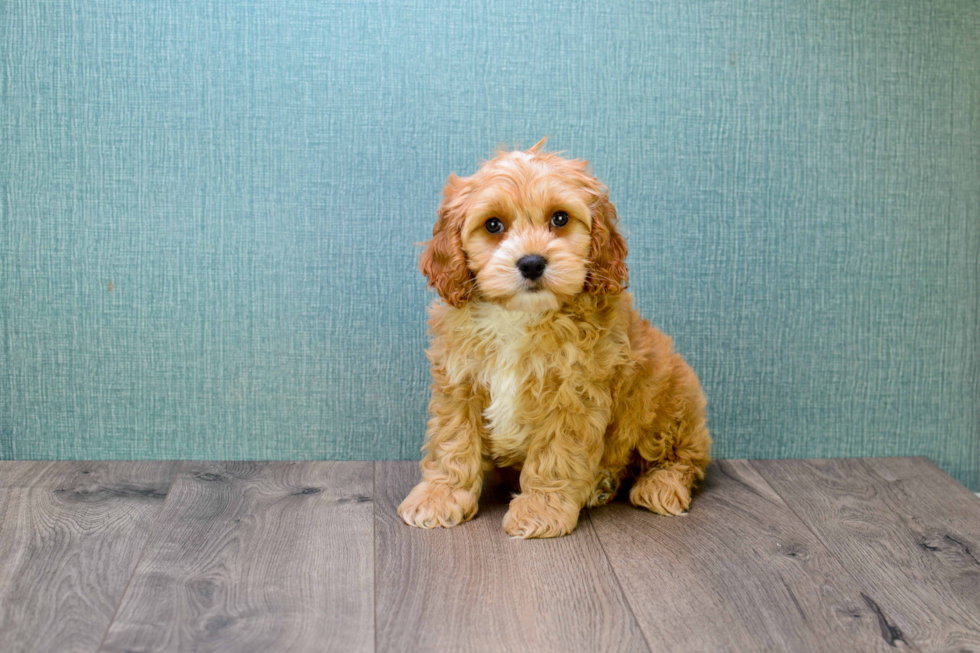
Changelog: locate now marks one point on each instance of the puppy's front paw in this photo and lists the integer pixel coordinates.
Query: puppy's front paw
(537, 514)
(437, 506)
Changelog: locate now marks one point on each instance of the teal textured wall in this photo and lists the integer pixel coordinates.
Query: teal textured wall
(207, 212)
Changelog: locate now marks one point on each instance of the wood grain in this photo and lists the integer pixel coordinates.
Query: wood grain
(842, 555)
(24, 473)
(70, 536)
(901, 526)
(739, 572)
(256, 557)
(472, 588)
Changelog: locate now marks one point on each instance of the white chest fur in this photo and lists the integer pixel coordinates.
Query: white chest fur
(510, 353)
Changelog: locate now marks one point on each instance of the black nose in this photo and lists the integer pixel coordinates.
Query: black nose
(532, 266)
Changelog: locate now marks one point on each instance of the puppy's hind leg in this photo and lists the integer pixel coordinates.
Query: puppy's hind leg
(606, 486)
(674, 454)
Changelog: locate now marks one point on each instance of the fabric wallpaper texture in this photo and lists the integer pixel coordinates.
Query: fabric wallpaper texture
(208, 212)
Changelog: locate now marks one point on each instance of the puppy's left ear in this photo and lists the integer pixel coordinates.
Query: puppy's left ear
(607, 270)
(444, 262)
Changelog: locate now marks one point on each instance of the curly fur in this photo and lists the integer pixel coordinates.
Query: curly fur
(560, 378)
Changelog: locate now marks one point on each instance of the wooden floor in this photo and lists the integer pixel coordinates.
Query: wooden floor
(807, 555)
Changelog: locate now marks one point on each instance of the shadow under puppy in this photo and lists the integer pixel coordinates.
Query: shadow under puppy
(539, 360)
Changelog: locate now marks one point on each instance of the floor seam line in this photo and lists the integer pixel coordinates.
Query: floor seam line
(819, 539)
(615, 576)
(139, 559)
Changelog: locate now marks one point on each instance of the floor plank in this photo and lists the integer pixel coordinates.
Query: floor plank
(739, 572)
(70, 536)
(872, 554)
(256, 557)
(900, 525)
(472, 588)
(24, 473)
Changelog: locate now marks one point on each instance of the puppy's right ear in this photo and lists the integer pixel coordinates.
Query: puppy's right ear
(444, 262)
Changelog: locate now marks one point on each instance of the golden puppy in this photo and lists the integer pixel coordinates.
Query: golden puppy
(540, 362)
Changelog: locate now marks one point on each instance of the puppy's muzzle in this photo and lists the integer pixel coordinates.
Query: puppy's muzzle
(532, 266)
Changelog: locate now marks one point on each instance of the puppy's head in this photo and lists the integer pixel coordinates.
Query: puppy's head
(529, 231)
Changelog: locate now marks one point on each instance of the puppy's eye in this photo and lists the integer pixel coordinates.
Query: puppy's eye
(494, 226)
(559, 219)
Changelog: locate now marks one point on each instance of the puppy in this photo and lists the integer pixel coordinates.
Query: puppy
(539, 360)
